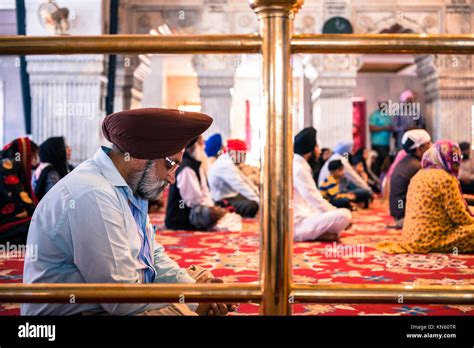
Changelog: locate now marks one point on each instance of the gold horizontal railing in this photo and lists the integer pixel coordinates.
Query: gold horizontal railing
(130, 293)
(383, 43)
(129, 44)
(231, 292)
(386, 293)
(237, 44)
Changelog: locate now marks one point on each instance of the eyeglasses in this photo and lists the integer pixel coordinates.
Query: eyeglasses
(172, 165)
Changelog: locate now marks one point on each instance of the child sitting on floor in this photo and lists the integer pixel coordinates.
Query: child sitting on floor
(332, 190)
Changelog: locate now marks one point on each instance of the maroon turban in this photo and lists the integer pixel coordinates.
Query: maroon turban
(153, 133)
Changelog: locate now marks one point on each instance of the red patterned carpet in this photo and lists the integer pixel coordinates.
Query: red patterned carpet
(234, 258)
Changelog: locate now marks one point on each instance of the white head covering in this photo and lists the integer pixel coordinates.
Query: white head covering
(414, 138)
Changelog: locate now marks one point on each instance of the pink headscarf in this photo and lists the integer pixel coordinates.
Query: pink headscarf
(445, 155)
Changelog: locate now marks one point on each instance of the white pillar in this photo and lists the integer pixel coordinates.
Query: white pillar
(216, 72)
(68, 92)
(153, 83)
(333, 79)
(67, 99)
(215, 80)
(124, 81)
(449, 95)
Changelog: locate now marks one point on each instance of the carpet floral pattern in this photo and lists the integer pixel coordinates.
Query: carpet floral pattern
(353, 260)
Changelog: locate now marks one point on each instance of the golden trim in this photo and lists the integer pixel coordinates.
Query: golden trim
(236, 44)
(129, 293)
(383, 43)
(386, 293)
(276, 185)
(300, 293)
(129, 44)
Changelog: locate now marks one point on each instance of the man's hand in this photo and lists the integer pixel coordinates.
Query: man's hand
(215, 309)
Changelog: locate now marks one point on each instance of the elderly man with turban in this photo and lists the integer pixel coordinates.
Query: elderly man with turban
(190, 205)
(229, 186)
(354, 182)
(213, 147)
(314, 217)
(93, 225)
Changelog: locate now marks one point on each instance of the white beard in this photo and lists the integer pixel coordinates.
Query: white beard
(147, 185)
(200, 155)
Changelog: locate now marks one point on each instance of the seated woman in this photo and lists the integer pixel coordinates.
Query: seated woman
(437, 218)
(54, 154)
(17, 200)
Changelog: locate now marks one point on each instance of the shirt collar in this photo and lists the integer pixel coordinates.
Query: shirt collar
(110, 172)
(108, 169)
(298, 158)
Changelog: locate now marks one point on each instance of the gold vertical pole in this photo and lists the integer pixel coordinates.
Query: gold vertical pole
(277, 153)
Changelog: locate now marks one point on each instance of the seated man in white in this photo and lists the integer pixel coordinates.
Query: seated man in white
(229, 185)
(314, 217)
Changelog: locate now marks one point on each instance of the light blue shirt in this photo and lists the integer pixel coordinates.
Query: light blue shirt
(84, 231)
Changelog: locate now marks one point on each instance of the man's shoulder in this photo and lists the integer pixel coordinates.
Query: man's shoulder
(298, 163)
(84, 179)
(374, 115)
(223, 163)
(407, 167)
(410, 162)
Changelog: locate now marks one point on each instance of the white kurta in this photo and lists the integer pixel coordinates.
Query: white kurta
(313, 215)
(193, 191)
(227, 181)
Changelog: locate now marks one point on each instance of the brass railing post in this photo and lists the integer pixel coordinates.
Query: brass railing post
(276, 155)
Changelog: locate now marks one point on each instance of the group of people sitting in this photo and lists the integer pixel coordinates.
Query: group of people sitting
(213, 184)
(425, 184)
(93, 224)
(426, 196)
(27, 173)
(214, 188)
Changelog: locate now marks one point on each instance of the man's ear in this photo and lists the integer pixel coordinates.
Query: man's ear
(137, 164)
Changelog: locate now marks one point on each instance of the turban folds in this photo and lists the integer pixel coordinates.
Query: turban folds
(305, 141)
(153, 133)
(236, 145)
(343, 147)
(213, 145)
